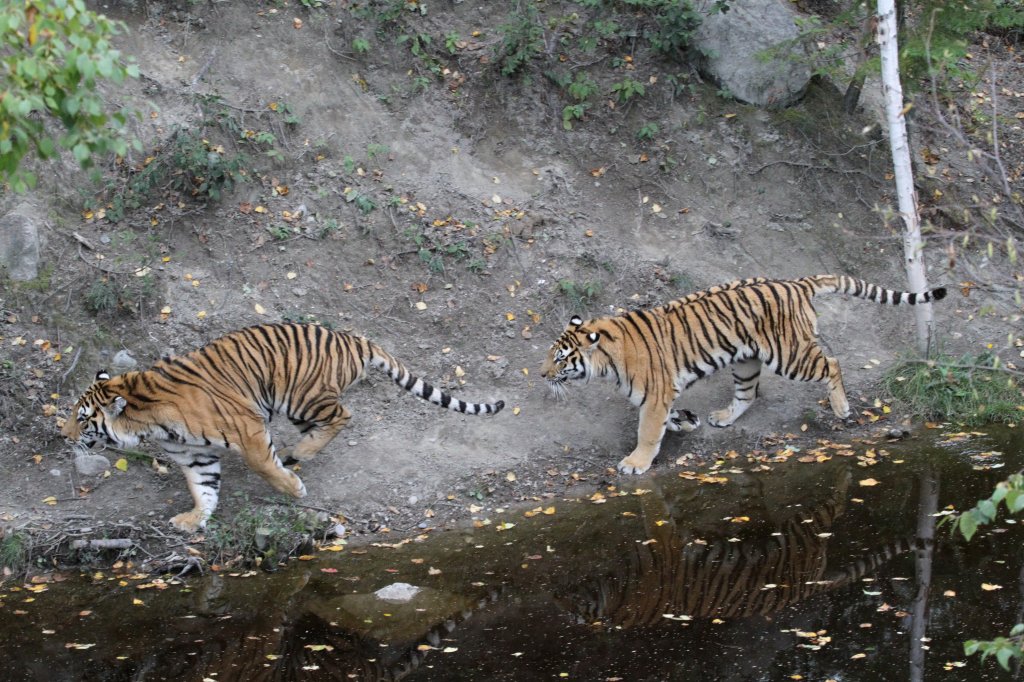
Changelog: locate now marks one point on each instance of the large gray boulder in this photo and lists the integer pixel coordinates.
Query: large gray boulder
(21, 243)
(733, 45)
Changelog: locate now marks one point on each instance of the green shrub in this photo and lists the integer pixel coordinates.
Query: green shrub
(262, 535)
(521, 39)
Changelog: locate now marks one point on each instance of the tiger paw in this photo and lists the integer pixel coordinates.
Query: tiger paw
(190, 521)
(682, 420)
(634, 465)
(721, 418)
(287, 457)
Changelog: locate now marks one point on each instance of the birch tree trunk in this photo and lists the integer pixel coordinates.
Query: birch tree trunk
(913, 246)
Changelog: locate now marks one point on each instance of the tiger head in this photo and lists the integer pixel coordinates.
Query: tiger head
(569, 358)
(91, 419)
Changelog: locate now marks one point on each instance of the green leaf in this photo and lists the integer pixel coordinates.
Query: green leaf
(1004, 655)
(81, 152)
(1015, 500)
(46, 148)
(968, 525)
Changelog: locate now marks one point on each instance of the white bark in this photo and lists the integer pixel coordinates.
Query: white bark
(913, 246)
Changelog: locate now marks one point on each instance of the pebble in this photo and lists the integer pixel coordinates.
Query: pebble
(353, 443)
(55, 472)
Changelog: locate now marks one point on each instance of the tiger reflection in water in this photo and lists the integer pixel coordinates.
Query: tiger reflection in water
(687, 572)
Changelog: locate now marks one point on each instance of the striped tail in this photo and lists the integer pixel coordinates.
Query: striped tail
(827, 284)
(385, 362)
(868, 563)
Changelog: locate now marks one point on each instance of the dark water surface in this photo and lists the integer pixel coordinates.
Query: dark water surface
(769, 575)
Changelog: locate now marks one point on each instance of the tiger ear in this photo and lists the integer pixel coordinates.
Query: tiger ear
(102, 375)
(575, 321)
(592, 339)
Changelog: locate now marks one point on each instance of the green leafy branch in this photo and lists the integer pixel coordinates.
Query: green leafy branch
(1010, 493)
(53, 53)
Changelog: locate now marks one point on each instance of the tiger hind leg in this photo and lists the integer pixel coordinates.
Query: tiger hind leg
(746, 376)
(682, 420)
(316, 435)
(258, 452)
(836, 390)
(202, 474)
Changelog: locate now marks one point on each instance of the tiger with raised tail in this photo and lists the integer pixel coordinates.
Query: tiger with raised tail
(654, 354)
(220, 399)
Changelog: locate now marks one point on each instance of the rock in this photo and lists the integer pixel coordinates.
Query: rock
(732, 43)
(123, 362)
(21, 243)
(397, 592)
(91, 465)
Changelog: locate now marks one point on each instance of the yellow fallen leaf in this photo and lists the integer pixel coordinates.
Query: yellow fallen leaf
(549, 511)
(988, 587)
(420, 305)
(51, 500)
(516, 410)
(260, 310)
(867, 482)
(138, 602)
(121, 464)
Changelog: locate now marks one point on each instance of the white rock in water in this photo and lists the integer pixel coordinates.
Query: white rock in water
(397, 592)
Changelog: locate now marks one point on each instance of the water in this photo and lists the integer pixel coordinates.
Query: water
(800, 570)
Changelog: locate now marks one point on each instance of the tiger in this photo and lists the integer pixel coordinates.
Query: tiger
(654, 354)
(221, 397)
(710, 573)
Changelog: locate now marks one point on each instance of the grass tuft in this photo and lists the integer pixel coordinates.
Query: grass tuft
(970, 389)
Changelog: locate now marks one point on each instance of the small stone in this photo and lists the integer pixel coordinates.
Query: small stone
(123, 362)
(413, 499)
(91, 465)
(55, 473)
(353, 443)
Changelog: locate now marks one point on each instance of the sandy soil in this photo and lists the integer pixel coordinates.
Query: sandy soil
(513, 209)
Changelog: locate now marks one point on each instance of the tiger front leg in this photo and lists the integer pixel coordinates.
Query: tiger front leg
(653, 417)
(202, 474)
